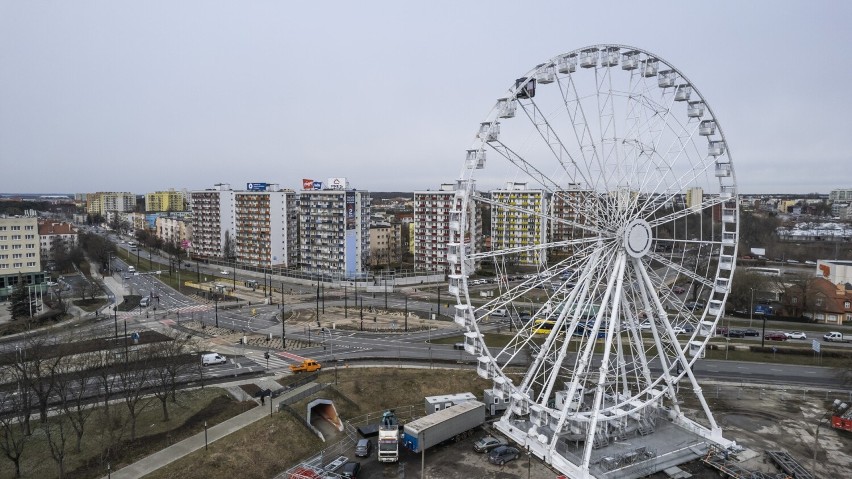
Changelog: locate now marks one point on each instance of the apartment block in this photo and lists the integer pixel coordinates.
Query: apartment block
(175, 230)
(212, 218)
(519, 220)
(385, 243)
(19, 252)
(170, 200)
(102, 202)
(334, 232)
(432, 212)
(570, 209)
(266, 227)
(50, 232)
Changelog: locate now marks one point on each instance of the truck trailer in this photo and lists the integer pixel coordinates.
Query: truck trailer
(454, 422)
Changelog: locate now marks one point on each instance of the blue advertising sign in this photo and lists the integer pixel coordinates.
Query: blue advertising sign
(317, 185)
(256, 186)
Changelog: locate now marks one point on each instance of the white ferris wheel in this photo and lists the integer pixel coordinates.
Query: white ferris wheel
(609, 192)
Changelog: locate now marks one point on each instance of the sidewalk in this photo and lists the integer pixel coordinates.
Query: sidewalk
(193, 443)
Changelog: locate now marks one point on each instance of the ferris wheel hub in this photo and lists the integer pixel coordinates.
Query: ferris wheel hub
(638, 238)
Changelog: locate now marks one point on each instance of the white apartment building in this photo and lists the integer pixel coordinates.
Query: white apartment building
(519, 219)
(212, 218)
(431, 227)
(334, 232)
(19, 252)
(266, 227)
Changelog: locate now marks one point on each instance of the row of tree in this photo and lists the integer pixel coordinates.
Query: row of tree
(58, 389)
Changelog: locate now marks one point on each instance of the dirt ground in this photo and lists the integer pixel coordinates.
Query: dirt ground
(770, 420)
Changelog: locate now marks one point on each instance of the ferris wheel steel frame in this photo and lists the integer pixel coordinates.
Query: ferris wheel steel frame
(634, 198)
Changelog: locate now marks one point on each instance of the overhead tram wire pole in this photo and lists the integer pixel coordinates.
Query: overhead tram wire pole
(751, 308)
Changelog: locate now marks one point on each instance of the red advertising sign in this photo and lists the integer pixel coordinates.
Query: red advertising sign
(307, 184)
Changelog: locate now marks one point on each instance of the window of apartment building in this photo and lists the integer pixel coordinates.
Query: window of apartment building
(30, 255)
(30, 245)
(16, 228)
(29, 237)
(18, 265)
(2, 228)
(16, 237)
(4, 266)
(29, 227)
(4, 256)
(31, 263)
(4, 238)
(17, 256)
(16, 246)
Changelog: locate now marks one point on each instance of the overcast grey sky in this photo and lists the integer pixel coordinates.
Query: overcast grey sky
(148, 95)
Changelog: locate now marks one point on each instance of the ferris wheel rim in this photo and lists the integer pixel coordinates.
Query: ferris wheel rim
(493, 117)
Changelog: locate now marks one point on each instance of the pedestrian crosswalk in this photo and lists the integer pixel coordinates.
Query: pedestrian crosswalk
(277, 359)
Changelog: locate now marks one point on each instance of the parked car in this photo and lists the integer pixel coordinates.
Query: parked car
(776, 336)
(796, 335)
(363, 448)
(488, 443)
(350, 469)
(678, 290)
(678, 329)
(502, 454)
(223, 272)
(752, 332)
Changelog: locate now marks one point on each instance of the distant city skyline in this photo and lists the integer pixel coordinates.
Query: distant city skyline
(142, 97)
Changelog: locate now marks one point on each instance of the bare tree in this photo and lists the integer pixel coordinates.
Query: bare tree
(75, 381)
(133, 379)
(14, 418)
(38, 370)
(57, 432)
(169, 359)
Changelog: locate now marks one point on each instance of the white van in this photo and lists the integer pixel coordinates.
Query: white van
(209, 359)
(145, 301)
(131, 269)
(500, 313)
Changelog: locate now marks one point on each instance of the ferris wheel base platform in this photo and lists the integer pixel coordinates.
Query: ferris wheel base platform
(629, 457)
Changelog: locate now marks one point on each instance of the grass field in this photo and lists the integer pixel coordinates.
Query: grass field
(104, 442)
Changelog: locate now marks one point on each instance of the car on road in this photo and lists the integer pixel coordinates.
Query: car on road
(735, 333)
(751, 332)
(678, 290)
(502, 454)
(488, 443)
(775, 336)
(678, 329)
(796, 335)
(693, 305)
(224, 272)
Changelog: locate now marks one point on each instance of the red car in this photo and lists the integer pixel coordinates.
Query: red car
(776, 336)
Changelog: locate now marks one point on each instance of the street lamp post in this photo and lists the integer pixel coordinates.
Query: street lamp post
(751, 308)
(216, 302)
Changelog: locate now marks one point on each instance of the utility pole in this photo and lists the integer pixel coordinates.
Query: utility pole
(345, 303)
(406, 314)
(216, 302)
(197, 273)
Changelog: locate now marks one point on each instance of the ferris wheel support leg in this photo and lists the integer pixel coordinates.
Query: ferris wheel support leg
(604, 367)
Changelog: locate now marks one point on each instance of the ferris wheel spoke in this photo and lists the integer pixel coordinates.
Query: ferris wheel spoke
(524, 166)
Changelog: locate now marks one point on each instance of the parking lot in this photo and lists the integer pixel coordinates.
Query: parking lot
(453, 461)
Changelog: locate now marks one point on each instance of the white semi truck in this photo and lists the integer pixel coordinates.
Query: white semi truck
(389, 438)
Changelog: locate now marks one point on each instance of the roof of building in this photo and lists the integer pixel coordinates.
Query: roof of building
(53, 228)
